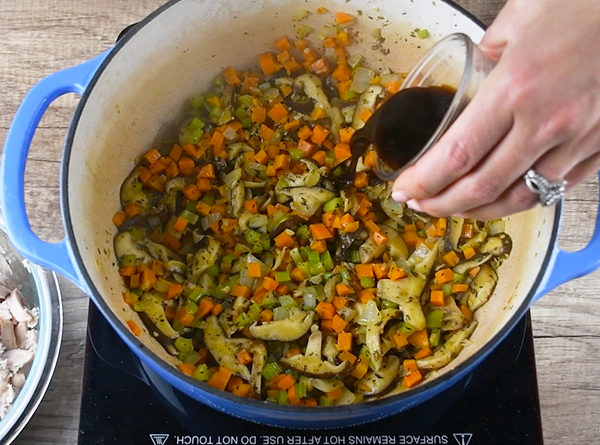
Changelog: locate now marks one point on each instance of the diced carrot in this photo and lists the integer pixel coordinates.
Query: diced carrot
(361, 180)
(205, 307)
(364, 270)
(157, 182)
(320, 232)
(392, 87)
(379, 238)
(220, 378)
(192, 192)
(319, 246)
(261, 157)
(441, 226)
(217, 139)
(186, 166)
(460, 288)
(380, 270)
(411, 239)
(270, 284)
(422, 353)
(268, 63)
(319, 134)
(400, 340)
(282, 43)
(410, 366)
(342, 152)
(286, 381)
(174, 291)
(187, 368)
(231, 76)
(325, 310)
(135, 329)
(291, 125)
(320, 66)
(204, 185)
(251, 206)
(170, 241)
(152, 156)
(360, 368)
(147, 280)
(411, 379)
(343, 289)
(469, 252)
(297, 274)
(369, 159)
(254, 270)
(176, 152)
(307, 147)
(419, 339)
(451, 258)
(258, 114)
(473, 272)
(346, 134)
(338, 323)
(342, 73)
(282, 161)
(266, 315)
(239, 290)
(468, 313)
(347, 356)
(352, 227)
(344, 341)
(444, 276)
(249, 83)
(396, 273)
(339, 302)
(119, 218)
(244, 356)
(431, 230)
(284, 240)
(365, 295)
(203, 208)
(343, 18)
(266, 133)
(173, 170)
(437, 298)
(278, 113)
(207, 171)
(184, 317)
(365, 115)
(180, 223)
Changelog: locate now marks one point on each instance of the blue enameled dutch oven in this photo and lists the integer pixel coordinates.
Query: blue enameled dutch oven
(131, 93)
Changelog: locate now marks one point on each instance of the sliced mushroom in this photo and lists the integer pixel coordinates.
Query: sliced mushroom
(453, 233)
(375, 382)
(476, 241)
(259, 360)
(465, 266)
(449, 350)
(206, 256)
(224, 349)
(237, 197)
(393, 209)
(287, 329)
(367, 101)
(313, 88)
(500, 244)
(17, 358)
(152, 313)
(482, 287)
(405, 293)
(125, 245)
(311, 363)
(132, 192)
(7, 333)
(17, 308)
(370, 250)
(423, 259)
(307, 200)
(158, 251)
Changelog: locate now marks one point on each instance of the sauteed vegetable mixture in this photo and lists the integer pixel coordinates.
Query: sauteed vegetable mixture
(254, 255)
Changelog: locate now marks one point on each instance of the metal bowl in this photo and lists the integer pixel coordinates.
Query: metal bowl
(40, 289)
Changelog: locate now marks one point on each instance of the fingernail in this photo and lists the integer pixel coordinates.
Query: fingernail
(400, 196)
(413, 204)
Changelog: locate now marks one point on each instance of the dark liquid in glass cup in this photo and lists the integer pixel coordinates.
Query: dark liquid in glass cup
(403, 125)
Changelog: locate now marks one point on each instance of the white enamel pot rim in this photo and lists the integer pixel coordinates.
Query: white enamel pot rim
(128, 96)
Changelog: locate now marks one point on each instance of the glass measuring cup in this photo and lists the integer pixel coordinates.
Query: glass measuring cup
(455, 62)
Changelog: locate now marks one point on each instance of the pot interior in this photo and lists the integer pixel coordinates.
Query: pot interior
(140, 93)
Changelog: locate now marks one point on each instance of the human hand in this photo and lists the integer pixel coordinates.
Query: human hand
(539, 108)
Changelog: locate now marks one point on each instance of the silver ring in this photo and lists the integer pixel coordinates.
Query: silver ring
(549, 193)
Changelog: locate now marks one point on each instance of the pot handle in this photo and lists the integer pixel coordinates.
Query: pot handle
(565, 266)
(54, 256)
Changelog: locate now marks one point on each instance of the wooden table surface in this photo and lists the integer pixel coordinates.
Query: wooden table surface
(40, 37)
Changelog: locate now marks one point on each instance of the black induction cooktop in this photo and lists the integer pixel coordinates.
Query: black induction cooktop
(497, 404)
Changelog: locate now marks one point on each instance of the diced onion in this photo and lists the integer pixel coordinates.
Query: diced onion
(208, 220)
(232, 178)
(362, 79)
(258, 221)
(230, 134)
(497, 227)
(370, 315)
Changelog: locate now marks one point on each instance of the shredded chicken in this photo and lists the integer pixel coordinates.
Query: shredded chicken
(18, 338)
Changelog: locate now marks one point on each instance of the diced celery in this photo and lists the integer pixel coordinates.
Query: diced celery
(254, 312)
(305, 268)
(287, 301)
(421, 234)
(406, 328)
(213, 270)
(387, 304)
(191, 307)
(333, 204)
(434, 337)
(201, 373)
(367, 282)
(422, 33)
(279, 313)
(271, 370)
(296, 154)
(303, 232)
(317, 269)
(252, 236)
(447, 289)
(128, 260)
(184, 345)
(354, 256)
(192, 217)
(245, 100)
(282, 397)
(325, 401)
(246, 122)
(296, 256)
(282, 276)
(242, 320)
(345, 274)
(191, 206)
(136, 233)
(197, 102)
(195, 294)
(270, 302)
(208, 199)
(300, 389)
(314, 258)
(240, 112)
(435, 318)
(327, 261)
(458, 277)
